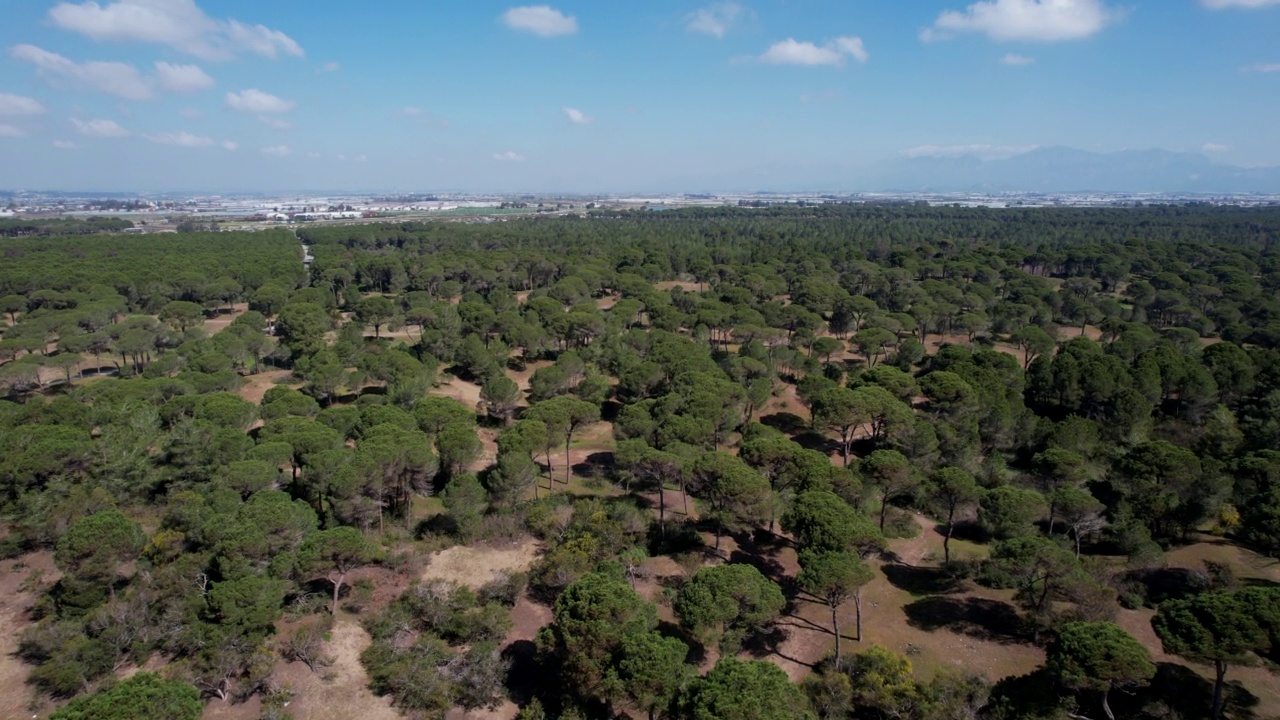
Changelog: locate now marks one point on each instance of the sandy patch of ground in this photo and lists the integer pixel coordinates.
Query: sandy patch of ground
(219, 322)
(347, 695)
(476, 566)
(256, 386)
(464, 392)
(16, 597)
(607, 301)
(666, 285)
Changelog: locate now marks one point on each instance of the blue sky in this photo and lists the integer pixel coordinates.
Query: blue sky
(611, 95)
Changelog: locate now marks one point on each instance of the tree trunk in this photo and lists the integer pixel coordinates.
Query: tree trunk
(568, 464)
(884, 509)
(1220, 668)
(337, 588)
(857, 613)
(1076, 532)
(835, 625)
(662, 506)
(1106, 707)
(946, 539)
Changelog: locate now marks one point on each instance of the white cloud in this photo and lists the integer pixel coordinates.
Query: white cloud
(182, 78)
(361, 158)
(230, 145)
(794, 52)
(1212, 147)
(577, 117)
(191, 113)
(11, 131)
(985, 152)
(341, 156)
(1247, 4)
(1262, 68)
(113, 78)
(277, 150)
(180, 24)
(19, 105)
(314, 155)
(258, 102)
(1026, 20)
(541, 20)
(65, 145)
(717, 19)
(1017, 60)
(99, 128)
(275, 123)
(180, 139)
(331, 67)
(508, 156)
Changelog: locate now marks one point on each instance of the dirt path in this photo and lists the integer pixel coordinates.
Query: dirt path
(347, 694)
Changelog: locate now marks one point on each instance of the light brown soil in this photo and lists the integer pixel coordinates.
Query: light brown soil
(347, 695)
(15, 599)
(809, 638)
(475, 566)
(607, 301)
(219, 322)
(256, 386)
(464, 392)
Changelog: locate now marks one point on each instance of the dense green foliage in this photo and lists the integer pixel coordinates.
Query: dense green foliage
(1067, 386)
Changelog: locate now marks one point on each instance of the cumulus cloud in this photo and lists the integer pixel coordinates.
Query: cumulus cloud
(508, 156)
(985, 152)
(331, 67)
(1017, 60)
(540, 20)
(1262, 68)
(1024, 20)
(180, 24)
(180, 139)
(275, 123)
(717, 19)
(99, 128)
(834, 52)
(19, 105)
(277, 150)
(361, 158)
(1247, 4)
(577, 117)
(182, 78)
(65, 145)
(257, 102)
(113, 78)
(1212, 147)
(230, 145)
(10, 131)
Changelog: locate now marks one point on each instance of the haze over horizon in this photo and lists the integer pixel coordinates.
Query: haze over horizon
(132, 95)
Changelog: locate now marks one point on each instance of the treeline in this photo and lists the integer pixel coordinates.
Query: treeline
(23, 227)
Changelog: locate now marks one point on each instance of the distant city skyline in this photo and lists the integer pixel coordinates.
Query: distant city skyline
(154, 95)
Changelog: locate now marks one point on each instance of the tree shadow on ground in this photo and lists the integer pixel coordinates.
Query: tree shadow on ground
(973, 616)
(1169, 583)
(522, 673)
(922, 580)
(785, 422)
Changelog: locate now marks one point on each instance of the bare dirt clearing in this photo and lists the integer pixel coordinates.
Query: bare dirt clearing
(475, 566)
(16, 597)
(347, 695)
